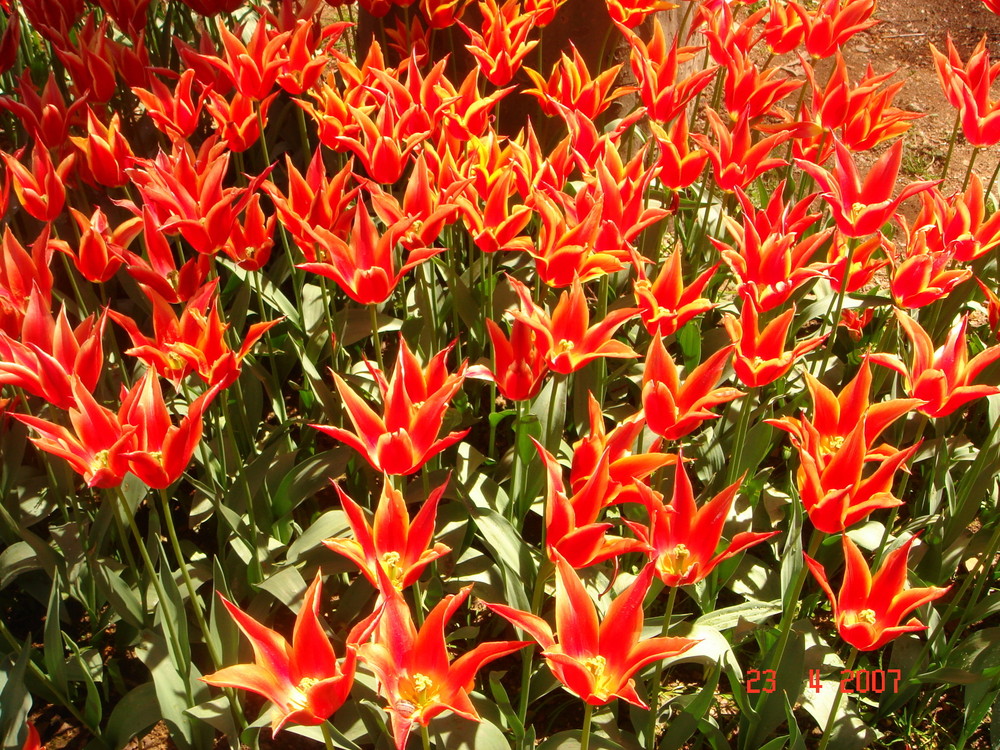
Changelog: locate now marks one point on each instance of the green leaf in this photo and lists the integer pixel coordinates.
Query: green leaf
(133, 714)
(730, 617)
(52, 652)
(15, 699)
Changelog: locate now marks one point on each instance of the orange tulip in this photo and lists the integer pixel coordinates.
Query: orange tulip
(761, 357)
(869, 608)
(596, 660)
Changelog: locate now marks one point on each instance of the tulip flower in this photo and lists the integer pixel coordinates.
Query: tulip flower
(129, 15)
(833, 22)
(863, 265)
(252, 67)
(835, 480)
(88, 56)
(250, 243)
(212, 7)
(677, 166)
(786, 26)
(10, 41)
(49, 353)
(761, 357)
(105, 151)
(631, 13)
(836, 416)
(993, 5)
(363, 265)
(414, 405)
(625, 468)
(941, 378)
(572, 531)
(863, 114)
(958, 224)
(967, 87)
(393, 543)
(441, 14)
(923, 276)
(20, 273)
(519, 364)
(771, 256)
(176, 113)
(861, 208)
(502, 45)
(596, 660)
(749, 89)
(737, 160)
(41, 190)
(869, 608)
(666, 304)
(236, 119)
(569, 341)
(682, 538)
(383, 145)
(303, 680)
(855, 323)
(992, 309)
(674, 409)
(656, 67)
(496, 226)
(95, 448)
(571, 84)
(160, 273)
(414, 669)
(46, 117)
(192, 343)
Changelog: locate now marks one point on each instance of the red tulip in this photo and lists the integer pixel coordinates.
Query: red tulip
(570, 343)
(682, 538)
(833, 22)
(392, 543)
(958, 224)
(105, 151)
(666, 305)
(596, 660)
(20, 273)
(968, 88)
(303, 680)
(41, 190)
(519, 364)
(941, 378)
(861, 208)
(674, 409)
(414, 404)
(737, 160)
(414, 668)
(176, 112)
(922, 276)
(502, 45)
(192, 343)
(50, 353)
(869, 608)
(571, 84)
(761, 357)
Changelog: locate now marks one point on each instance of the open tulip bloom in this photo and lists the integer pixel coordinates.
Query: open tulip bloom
(595, 660)
(869, 609)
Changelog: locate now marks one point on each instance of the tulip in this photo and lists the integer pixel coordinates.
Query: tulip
(47, 117)
(33, 741)
(41, 190)
(967, 86)
(761, 357)
(176, 112)
(571, 84)
(625, 468)
(569, 341)
(861, 208)
(572, 531)
(942, 379)
(923, 276)
(519, 364)
(192, 343)
(160, 273)
(771, 256)
(105, 151)
(682, 538)
(414, 405)
(50, 353)
(674, 409)
(737, 161)
(863, 268)
(786, 26)
(958, 224)
(678, 167)
(89, 57)
(414, 668)
(833, 22)
(392, 543)
(502, 46)
(20, 273)
(869, 608)
(666, 305)
(596, 660)
(303, 680)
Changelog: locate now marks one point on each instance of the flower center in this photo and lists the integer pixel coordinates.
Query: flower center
(678, 560)
(390, 561)
(102, 459)
(867, 616)
(175, 361)
(299, 701)
(565, 345)
(596, 666)
(422, 683)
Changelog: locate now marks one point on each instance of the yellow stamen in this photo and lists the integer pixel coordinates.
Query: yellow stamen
(867, 616)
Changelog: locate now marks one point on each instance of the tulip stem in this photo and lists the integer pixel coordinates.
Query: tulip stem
(373, 312)
(741, 434)
(199, 612)
(837, 308)
(951, 144)
(968, 172)
(327, 737)
(832, 720)
(588, 713)
(654, 684)
(425, 739)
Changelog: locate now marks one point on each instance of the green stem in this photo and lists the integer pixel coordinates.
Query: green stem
(951, 144)
(373, 312)
(654, 684)
(741, 434)
(327, 737)
(838, 308)
(832, 720)
(968, 172)
(788, 616)
(425, 739)
(588, 713)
